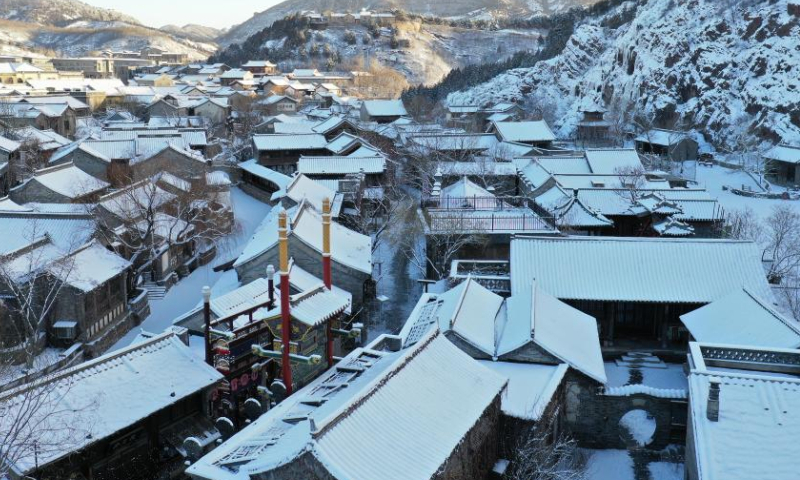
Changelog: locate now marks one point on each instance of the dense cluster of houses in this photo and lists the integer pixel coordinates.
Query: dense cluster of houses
(577, 289)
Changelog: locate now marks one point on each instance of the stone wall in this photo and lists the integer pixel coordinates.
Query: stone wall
(593, 419)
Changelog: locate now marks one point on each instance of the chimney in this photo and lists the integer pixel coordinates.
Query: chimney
(712, 411)
(326, 273)
(286, 320)
(271, 285)
(326, 243)
(207, 323)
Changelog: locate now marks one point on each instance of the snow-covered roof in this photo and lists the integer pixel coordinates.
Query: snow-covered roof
(637, 269)
(241, 299)
(343, 141)
(68, 180)
(568, 210)
(661, 137)
(609, 161)
(499, 327)
(742, 318)
(72, 147)
(455, 142)
(531, 387)
(385, 108)
(9, 67)
(487, 167)
(311, 141)
(563, 331)
(21, 228)
(694, 205)
(92, 267)
(759, 417)
(348, 247)
(8, 145)
(561, 165)
(532, 173)
(294, 128)
(253, 167)
(784, 153)
(341, 165)
(314, 193)
(133, 201)
(47, 139)
(104, 396)
(530, 131)
(386, 415)
(466, 189)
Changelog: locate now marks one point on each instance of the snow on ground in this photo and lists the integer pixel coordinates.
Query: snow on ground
(666, 471)
(714, 178)
(640, 425)
(619, 465)
(185, 295)
(609, 465)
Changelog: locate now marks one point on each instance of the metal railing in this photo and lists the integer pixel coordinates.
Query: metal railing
(455, 223)
(474, 203)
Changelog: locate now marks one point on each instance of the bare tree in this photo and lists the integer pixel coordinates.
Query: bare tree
(744, 225)
(783, 242)
(31, 280)
(144, 219)
(433, 248)
(631, 180)
(37, 424)
(539, 457)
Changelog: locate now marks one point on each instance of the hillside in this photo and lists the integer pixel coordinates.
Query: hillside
(73, 28)
(727, 68)
(199, 33)
(432, 50)
(58, 13)
(484, 9)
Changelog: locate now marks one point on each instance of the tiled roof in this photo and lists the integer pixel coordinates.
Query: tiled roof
(742, 318)
(341, 165)
(269, 142)
(637, 269)
(104, 396)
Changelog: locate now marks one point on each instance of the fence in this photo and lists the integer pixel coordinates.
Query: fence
(470, 223)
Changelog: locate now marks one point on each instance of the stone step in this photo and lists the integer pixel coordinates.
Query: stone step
(154, 291)
(628, 364)
(627, 358)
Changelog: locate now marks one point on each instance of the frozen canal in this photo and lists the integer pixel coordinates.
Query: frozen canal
(186, 294)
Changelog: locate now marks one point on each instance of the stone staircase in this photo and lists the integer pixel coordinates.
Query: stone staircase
(154, 291)
(640, 360)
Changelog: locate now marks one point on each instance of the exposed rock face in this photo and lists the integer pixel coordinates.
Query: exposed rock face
(722, 67)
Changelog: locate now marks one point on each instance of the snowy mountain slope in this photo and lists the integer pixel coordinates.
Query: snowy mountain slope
(478, 9)
(722, 67)
(73, 28)
(200, 33)
(424, 52)
(58, 12)
(85, 38)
